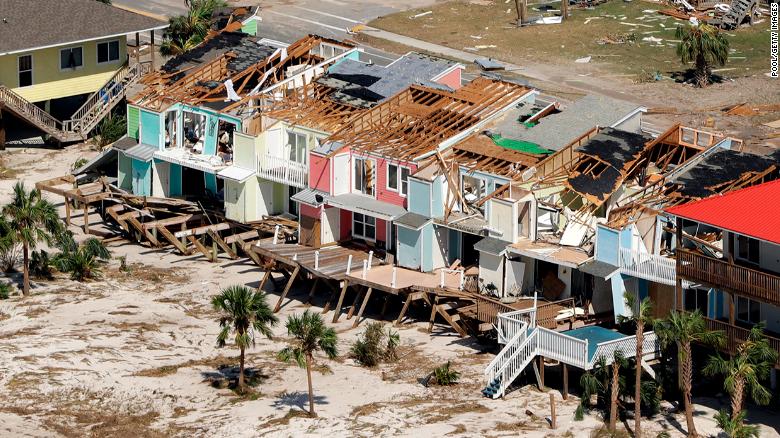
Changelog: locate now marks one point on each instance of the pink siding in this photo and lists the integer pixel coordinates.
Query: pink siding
(346, 225)
(383, 193)
(319, 172)
(451, 79)
(381, 230)
(308, 210)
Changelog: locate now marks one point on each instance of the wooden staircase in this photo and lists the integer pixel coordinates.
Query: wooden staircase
(87, 117)
(740, 9)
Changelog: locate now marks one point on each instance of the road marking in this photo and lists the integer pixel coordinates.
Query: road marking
(335, 2)
(327, 14)
(328, 26)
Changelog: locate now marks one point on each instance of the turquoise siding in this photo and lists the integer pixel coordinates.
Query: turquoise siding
(419, 199)
(437, 202)
(454, 249)
(408, 248)
(175, 189)
(212, 126)
(607, 244)
(211, 182)
(124, 171)
(132, 122)
(250, 27)
(150, 128)
(142, 177)
(427, 249)
(618, 291)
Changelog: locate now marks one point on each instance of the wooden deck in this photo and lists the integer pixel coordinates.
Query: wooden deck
(395, 280)
(330, 262)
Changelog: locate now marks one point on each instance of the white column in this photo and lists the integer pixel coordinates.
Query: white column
(316, 260)
(349, 264)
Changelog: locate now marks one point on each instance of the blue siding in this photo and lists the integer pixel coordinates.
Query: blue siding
(211, 182)
(408, 248)
(437, 201)
(150, 128)
(644, 288)
(454, 243)
(419, 200)
(427, 248)
(618, 290)
(175, 188)
(124, 171)
(142, 177)
(607, 244)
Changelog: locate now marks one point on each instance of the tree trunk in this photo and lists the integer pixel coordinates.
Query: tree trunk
(687, 375)
(519, 12)
(241, 371)
(640, 326)
(26, 269)
(702, 72)
(614, 395)
(311, 390)
(737, 397)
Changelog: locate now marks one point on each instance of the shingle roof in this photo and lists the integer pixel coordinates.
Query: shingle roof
(491, 245)
(413, 220)
(246, 48)
(752, 211)
(557, 130)
(28, 24)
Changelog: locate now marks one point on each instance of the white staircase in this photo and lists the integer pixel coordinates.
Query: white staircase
(524, 341)
(87, 117)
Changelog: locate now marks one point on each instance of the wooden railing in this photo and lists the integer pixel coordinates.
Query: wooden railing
(471, 283)
(32, 111)
(488, 309)
(737, 335)
(547, 312)
(564, 159)
(744, 281)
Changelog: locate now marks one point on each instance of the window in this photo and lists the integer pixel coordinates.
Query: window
(297, 144)
(363, 226)
(748, 249)
(292, 206)
(748, 311)
(473, 188)
(25, 71)
(696, 299)
(398, 178)
(71, 58)
(364, 176)
(108, 52)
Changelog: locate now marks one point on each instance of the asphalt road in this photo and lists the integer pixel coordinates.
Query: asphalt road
(288, 21)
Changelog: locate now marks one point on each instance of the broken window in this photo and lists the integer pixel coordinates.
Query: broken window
(225, 141)
(364, 176)
(748, 249)
(297, 144)
(25, 71)
(363, 226)
(71, 58)
(194, 131)
(171, 129)
(473, 188)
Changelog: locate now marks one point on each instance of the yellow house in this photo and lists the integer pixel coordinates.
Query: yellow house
(68, 58)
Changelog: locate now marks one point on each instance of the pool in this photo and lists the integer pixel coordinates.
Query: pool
(594, 335)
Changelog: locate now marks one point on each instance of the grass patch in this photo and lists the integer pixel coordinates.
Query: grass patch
(167, 370)
(283, 421)
(455, 24)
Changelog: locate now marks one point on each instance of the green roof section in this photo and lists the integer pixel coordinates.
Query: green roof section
(520, 146)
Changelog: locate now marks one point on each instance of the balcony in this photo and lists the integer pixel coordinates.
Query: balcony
(750, 283)
(737, 335)
(283, 171)
(651, 267)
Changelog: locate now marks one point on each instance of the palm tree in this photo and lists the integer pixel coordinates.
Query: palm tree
(309, 335)
(752, 363)
(32, 219)
(736, 427)
(82, 261)
(618, 361)
(683, 328)
(185, 32)
(245, 312)
(703, 45)
(641, 316)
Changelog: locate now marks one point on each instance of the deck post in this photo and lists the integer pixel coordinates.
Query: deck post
(311, 292)
(276, 234)
(553, 424)
(384, 307)
(67, 211)
(441, 278)
(370, 258)
(433, 314)
(264, 279)
(362, 308)
(86, 218)
(337, 310)
(349, 264)
(365, 269)
(565, 381)
(316, 260)
(392, 280)
(295, 257)
(354, 303)
(404, 309)
(287, 288)
(541, 373)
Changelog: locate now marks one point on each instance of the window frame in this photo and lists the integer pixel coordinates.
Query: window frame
(750, 304)
(701, 297)
(396, 179)
(78, 67)
(483, 186)
(399, 180)
(748, 241)
(364, 225)
(297, 136)
(355, 160)
(108, 52)
(31, 70)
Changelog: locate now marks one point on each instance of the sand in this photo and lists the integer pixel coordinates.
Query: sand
(134, 354)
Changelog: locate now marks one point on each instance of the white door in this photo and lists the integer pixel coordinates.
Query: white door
(341, 174)
(330, 225)
(161, 181)
(265, 199)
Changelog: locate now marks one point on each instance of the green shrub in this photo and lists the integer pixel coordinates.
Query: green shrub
(5, 290)
(40, 265)
(78, 163)
(111, 129)
(84, 261)
(375, 345)
(445, 376)
(579, 414)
